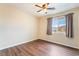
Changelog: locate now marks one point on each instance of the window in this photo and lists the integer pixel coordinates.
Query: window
(59, 24)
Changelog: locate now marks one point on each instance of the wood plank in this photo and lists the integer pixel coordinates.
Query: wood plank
(39, 48)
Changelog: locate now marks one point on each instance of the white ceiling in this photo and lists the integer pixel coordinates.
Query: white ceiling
(30, 8)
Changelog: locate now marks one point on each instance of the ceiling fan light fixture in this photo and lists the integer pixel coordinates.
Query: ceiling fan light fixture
(44, 8)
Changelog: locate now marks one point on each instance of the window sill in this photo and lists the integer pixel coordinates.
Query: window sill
(58, 32)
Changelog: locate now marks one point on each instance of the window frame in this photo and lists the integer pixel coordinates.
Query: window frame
(58, 25)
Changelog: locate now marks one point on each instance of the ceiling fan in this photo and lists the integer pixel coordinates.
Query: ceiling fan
(44, 7)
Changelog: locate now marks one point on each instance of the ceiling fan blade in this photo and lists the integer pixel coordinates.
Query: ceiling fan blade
(47, 3)
(39, 10)
(38, 6)
(51, 8)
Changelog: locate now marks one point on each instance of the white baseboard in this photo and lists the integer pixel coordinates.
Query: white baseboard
(14, 45)
(61, 44)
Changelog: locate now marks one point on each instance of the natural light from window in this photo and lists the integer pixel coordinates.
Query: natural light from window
(59, 24)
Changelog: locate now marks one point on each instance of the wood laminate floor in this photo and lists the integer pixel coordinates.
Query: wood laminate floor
(39, 48)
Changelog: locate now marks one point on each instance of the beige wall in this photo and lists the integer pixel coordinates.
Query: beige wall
(16, 27)
(60, 37)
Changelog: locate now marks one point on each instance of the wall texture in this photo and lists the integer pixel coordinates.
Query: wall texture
(16, 27)
(60, 37)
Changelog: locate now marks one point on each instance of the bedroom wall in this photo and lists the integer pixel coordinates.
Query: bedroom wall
(16, 27)
(60, 37)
